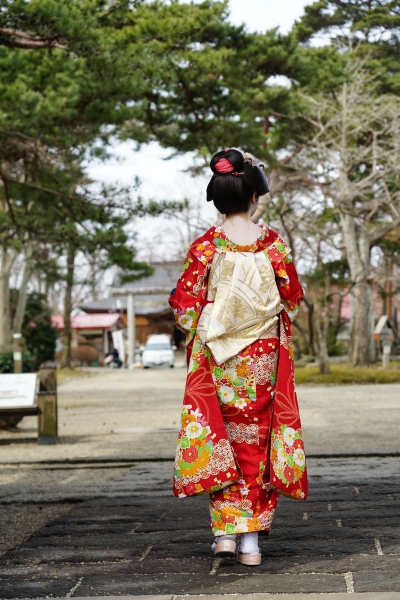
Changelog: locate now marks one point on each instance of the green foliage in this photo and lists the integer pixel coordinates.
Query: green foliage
(368, 27)
(344, 374)
(39, 334)
(390, 246)
(7, 362)
(338, 271)
(37, 330)
(181, 74)
(334, 346)
(338, 275)
(177, 73)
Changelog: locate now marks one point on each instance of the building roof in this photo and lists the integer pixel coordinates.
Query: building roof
(165, 274)
(87, 321)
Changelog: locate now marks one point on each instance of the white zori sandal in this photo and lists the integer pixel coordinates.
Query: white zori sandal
(224, 546)
(249, 553)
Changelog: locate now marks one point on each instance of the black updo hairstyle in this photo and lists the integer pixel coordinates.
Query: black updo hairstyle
(235, 179)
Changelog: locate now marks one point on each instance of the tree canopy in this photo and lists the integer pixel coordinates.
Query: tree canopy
(369, 27)
(78, 73)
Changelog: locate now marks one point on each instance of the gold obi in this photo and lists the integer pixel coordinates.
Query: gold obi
(243, 302)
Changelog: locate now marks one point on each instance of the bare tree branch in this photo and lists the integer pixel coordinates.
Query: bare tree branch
(20, 39)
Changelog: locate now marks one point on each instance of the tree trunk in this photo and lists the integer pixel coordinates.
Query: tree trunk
(322, 332)
(337, 319)
(323, 357)
(66, 356)
(372, 347)
(93, 277)
(7, 259)
(358, 255)
(22, 294)
(310, 309)
(303, 335)
(389, 288)
(360, 336)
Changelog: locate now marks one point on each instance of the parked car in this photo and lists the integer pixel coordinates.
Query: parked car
(158, 351)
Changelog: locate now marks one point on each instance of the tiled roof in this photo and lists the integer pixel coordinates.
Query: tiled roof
(165, 275)
(87, 321)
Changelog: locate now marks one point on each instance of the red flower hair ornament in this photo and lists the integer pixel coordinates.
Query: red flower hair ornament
(223, 165)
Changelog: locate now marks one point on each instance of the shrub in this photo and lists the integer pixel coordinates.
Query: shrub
(7, 362)
(39, 334)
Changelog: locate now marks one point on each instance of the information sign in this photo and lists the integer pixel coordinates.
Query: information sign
(17, 390)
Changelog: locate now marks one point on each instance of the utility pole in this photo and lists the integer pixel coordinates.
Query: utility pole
(131, 293)
(17, 354)
(389, 289)
(131, 328)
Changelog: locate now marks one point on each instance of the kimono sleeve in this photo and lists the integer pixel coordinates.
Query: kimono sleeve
(286, 276)
(189, 296)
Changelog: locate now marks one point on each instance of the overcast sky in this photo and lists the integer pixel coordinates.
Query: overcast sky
(165, 179)
(260, 15)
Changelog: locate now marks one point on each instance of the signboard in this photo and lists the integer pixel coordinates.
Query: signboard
(118, 341)
(17, 390)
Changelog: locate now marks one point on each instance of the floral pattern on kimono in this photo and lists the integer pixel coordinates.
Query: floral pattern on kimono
(289, 287)
(187, 300)
(244, 387)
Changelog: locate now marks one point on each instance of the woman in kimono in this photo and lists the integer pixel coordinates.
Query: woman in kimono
(240, 438)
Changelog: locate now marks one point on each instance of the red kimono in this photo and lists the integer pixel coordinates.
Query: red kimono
(240, 437)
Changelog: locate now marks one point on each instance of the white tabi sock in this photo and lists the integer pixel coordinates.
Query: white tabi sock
(249, 543)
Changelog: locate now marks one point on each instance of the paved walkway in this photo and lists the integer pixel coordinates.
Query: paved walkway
(50, 483)
(104, 522)
(136, 539)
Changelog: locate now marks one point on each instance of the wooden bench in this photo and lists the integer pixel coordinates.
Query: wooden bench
(45, 408)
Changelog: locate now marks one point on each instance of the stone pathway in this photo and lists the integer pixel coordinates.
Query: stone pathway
(104, 521)
(63, 481)
(134, 538)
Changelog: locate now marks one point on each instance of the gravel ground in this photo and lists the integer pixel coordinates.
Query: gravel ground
(56, 483)
(19, 521)
(32, 496)
(135, 414)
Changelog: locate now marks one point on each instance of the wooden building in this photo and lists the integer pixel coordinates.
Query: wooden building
(153, 313)
(91, 336)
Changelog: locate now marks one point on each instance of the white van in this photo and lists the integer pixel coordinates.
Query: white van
(158, 352)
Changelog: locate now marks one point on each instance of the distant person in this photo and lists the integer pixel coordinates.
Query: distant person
(116, 359)
(240, 437)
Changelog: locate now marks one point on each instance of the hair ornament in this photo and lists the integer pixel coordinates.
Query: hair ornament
(249, 159)
(224, 166)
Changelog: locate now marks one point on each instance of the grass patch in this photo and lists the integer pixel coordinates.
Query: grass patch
(343, 373)
(64, 374)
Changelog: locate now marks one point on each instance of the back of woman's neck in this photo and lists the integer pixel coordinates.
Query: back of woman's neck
(241, 229)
